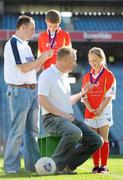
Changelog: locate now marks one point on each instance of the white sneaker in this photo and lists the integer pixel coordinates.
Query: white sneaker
(11, 172)
(103, 170)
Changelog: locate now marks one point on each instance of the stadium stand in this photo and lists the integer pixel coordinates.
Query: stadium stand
(40, 22)
(9, 21)
(80, 23)
(116, 130)
(4, 112)
(98, 23)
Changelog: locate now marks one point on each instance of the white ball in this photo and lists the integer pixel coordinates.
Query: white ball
(45, 166)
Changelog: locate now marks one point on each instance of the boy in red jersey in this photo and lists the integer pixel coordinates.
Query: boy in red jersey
(54, 37)
(98, 102)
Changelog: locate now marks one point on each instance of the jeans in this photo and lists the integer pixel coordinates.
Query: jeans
(90, 142)
(42, 130)
(71, 134)
(24, 116)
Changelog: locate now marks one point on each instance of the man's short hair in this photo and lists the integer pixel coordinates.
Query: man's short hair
(53, 16)
(65, 51)
(23, 19)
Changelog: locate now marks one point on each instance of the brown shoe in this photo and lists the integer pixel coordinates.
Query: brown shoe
(59, 171)
(69, 171)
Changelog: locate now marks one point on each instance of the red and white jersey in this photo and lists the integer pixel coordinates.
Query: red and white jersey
(104, 85)
(60, 39)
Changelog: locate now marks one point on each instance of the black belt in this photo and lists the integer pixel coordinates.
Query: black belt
(45, 116)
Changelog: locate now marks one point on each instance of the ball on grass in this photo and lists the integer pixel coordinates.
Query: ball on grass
(45, 166)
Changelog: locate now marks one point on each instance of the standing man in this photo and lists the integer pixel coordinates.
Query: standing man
(58, 116)
(53, 38)
(20, 75)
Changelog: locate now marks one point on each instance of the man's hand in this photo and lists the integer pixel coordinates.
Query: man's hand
(70, 117)
(46, 55)
(88, 86)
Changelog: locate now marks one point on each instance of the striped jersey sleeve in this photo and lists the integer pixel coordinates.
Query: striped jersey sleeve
(15, 51)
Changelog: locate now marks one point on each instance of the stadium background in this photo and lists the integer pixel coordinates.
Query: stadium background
(90, 23)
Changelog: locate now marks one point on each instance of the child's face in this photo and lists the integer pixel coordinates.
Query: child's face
(95, 61)
(52, 26)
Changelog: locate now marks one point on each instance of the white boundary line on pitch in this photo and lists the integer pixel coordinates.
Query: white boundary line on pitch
(113, 175)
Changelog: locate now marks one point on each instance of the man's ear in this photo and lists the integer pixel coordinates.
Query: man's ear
(67, 58)
(64, 61)
(23, 26)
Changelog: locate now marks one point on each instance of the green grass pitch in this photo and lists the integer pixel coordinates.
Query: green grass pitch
(115, 165)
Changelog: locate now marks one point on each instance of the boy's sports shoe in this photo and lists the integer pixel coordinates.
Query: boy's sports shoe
(95, 170)
(103, 170)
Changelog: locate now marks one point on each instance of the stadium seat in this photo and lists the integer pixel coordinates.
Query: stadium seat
(9, 21)
(80, 23)
(98, 23)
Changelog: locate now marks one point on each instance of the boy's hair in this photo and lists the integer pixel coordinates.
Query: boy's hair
(23, 19)
(65, 51)
(53, 16)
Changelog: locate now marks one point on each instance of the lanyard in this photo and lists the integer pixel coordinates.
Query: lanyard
(52, 40)
(98, 77)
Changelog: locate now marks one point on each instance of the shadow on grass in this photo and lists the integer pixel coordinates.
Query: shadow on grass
(20, 174)
(23, 174)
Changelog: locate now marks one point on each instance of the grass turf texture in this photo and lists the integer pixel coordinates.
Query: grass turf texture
(115, 165)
